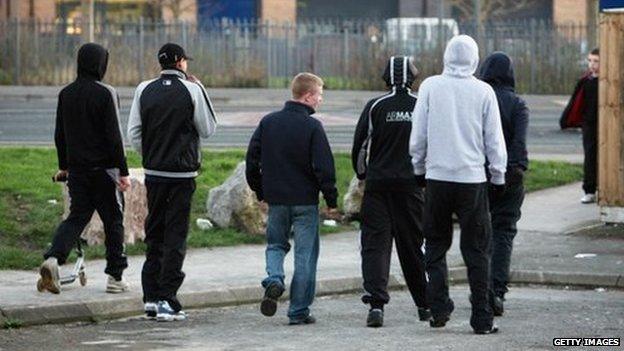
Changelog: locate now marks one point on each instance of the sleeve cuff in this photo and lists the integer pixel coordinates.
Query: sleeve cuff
(498, 179)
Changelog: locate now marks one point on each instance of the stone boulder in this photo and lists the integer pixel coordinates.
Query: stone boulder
(135, 211)
(233, 204)
(353, 200)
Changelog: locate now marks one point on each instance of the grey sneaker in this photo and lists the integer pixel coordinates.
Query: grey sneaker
(588, 199)
(166, 314)
(309, 319)
(375, 318)
(49, 280)
(114, 286)
(151, 309)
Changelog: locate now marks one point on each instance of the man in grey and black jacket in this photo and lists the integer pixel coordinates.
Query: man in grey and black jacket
(91, 157)
(455, 127)
(168, 116)
(393, 202)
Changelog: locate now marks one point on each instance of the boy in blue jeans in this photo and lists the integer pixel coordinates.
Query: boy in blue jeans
(288, 162)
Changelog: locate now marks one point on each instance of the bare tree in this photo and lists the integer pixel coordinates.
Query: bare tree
(490, 9)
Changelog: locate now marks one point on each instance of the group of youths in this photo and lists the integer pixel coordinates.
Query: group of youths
(458, 148)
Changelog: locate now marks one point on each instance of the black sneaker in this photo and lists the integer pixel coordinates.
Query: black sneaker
(424, 314)
(268, 306)
(492, 330)
(496, 303)
(440, 321)
(309, 319)
(375, 318)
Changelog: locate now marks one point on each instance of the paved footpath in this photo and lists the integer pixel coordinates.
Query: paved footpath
(546, 251)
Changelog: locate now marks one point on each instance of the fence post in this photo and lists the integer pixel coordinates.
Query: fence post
(532, 48)
(17, 78)
(141, 49)
(184, 35)
(268, 59)
(345, 58)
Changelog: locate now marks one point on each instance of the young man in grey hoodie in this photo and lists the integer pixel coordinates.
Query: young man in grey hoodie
(455, 127)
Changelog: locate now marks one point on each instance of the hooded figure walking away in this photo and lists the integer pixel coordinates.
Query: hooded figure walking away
(497, 70)
(392, 205)
(91, 157)
(455, 126)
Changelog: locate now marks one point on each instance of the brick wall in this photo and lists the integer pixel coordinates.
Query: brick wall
(570, 11)
(278, 10)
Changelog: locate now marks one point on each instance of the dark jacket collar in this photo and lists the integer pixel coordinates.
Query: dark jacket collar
(299, 107)
(173, 72)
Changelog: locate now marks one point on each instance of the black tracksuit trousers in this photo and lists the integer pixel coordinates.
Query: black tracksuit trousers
(505, 214)
(590, 162)
(470, 203)
(91, 191)
(166, 230)
(388, 215)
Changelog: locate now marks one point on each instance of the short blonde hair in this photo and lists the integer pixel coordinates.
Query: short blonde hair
(305, 83)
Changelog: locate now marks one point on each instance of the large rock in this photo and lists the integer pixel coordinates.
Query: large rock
(233, 204)
(353, 200)
(135, 211)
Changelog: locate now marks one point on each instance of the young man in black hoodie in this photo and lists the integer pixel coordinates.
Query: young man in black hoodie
(393, 202)
(91, 157)
(168, 116)
(497, 70)
(288, 162)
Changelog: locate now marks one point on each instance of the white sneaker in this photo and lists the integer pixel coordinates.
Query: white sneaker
(114, 286)
(151, 309)
(166, 313)
(588, 198)
(50, 279)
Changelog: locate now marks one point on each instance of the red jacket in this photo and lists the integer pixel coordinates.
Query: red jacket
(572, 116)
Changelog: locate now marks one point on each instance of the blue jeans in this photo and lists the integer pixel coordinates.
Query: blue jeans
(302, 223)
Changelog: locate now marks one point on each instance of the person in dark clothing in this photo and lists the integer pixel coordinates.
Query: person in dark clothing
(288, 162)
(582, 111)
(497, 70)
(392, 205)
(91, 157)
(168, 116)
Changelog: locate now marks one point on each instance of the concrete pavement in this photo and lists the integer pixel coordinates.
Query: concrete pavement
(546, 251)
(533, 317)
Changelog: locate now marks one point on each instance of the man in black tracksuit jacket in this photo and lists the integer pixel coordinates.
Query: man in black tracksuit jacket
(91, 157)
(497, 70)
(168, 116)
(392, 205)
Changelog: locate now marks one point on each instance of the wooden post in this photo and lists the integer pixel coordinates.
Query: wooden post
(611, 118)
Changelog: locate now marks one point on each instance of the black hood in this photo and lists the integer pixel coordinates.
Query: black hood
(497, 69)
(92, 61)
(400, 71)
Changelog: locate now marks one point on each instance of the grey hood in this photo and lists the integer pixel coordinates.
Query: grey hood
(461, 57)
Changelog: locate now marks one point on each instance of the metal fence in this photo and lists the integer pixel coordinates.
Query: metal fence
(348, 54)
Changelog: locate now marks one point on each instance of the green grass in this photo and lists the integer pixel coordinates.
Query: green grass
(28, 218)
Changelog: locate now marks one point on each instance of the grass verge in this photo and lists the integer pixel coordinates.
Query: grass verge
(31, 205)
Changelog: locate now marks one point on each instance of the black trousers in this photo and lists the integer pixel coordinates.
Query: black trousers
(166, 230)
(505, 213)
(590, 162)
(470, 203)
(88, 192)
(388, 215)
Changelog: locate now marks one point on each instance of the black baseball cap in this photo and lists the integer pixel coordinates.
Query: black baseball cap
(171, 53)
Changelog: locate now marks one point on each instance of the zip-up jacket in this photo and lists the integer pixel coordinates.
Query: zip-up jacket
(289, 159)
(389, 166)
(87, 133)
(497, 70)
(168, 116)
